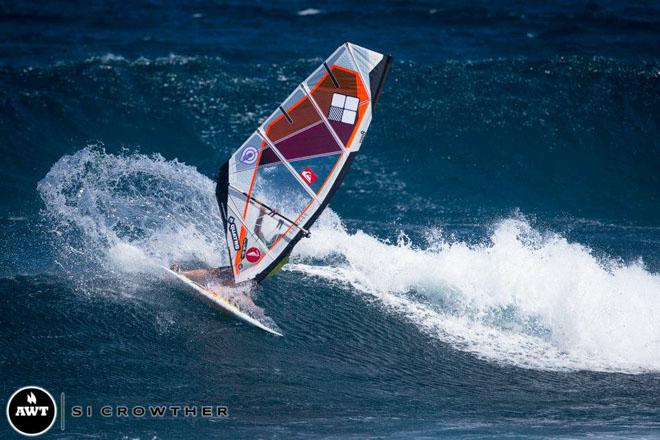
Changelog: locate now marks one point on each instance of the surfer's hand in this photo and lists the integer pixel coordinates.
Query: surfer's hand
(175, 267)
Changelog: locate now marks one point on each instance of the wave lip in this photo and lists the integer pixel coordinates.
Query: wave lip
(524, 298)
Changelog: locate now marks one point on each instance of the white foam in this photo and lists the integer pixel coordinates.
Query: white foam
(114, 59)
(129, 258)
(308, 11)
(523, 298)
(125, 214)
(108, 58)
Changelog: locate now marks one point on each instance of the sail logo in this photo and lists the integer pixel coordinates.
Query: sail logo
(343, 108)
(253, 254)
(308, 175)
(31, 411)
(249, 155)
(231, 224)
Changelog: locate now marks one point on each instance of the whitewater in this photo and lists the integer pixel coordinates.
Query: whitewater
(520, 296)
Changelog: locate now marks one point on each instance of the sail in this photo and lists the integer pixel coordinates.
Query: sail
(277, 183)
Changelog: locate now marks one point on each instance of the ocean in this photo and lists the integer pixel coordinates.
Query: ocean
(490, 266)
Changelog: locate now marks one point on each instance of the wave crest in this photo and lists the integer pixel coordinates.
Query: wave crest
(525, 298)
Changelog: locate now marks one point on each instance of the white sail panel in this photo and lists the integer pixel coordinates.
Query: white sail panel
(366, 61)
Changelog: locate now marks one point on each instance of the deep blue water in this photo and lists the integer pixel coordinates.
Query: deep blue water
(490, 266)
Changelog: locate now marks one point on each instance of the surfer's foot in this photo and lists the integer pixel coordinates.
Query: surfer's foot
(175, 267)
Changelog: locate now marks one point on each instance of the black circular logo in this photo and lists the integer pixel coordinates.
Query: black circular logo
(31, 411)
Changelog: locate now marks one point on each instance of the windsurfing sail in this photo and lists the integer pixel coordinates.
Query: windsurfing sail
(278, 182)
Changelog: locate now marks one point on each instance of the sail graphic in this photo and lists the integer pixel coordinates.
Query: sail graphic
(278, 182)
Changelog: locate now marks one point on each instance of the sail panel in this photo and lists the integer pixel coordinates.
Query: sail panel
(295, 114)
(297, 130)
(340, 94)
(316, 170)
(273, 195)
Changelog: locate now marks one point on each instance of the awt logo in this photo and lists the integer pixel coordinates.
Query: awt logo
(31, 411)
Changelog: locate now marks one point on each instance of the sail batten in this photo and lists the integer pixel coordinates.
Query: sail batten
(273, 188)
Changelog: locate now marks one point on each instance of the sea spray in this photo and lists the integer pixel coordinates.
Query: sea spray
(115, 218)
(101, 205)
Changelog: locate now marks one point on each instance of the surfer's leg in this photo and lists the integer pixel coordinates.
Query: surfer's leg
(218, 272)
(203, 276)
(222, 272)
(196, 273)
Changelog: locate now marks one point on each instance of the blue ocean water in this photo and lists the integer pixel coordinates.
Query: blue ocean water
(489, 268)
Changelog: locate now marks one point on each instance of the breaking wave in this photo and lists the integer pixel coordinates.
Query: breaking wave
(522, 297)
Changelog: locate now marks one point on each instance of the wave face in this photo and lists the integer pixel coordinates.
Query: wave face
(489, 267)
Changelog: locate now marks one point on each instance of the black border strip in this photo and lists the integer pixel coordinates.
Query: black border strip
(383, 77)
